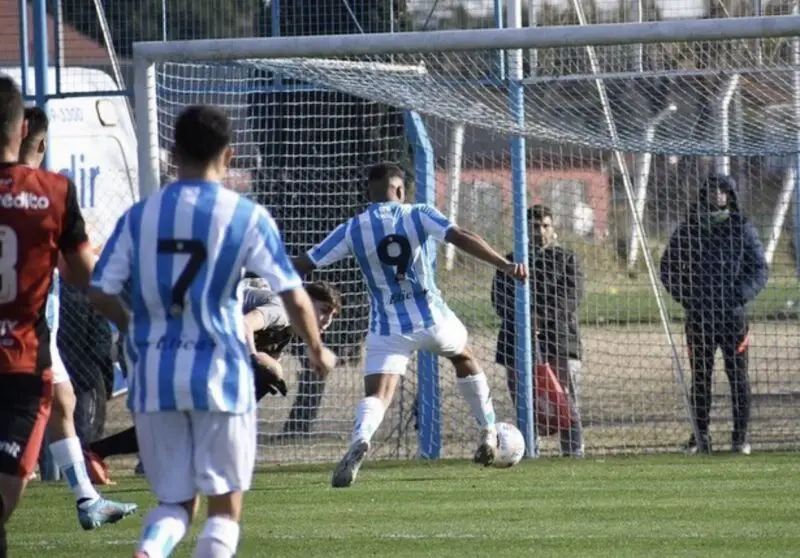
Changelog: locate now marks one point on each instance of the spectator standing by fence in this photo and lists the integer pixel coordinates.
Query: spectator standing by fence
(713, 266)
(557, 286)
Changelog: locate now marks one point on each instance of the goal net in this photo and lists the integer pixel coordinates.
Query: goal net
(618, 158)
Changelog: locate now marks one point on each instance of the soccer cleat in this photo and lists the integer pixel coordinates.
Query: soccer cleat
(692, 447)
(346, 470)
(740, 444)
(487, 448)
(139, 469)
(103, 512)
(97, 469)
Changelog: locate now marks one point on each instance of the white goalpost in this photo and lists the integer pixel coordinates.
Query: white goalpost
(315, 112)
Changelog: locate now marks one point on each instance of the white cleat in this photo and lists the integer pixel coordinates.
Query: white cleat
(487, 447)
(346, 470)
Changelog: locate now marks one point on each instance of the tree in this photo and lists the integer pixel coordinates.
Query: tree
(143, 20)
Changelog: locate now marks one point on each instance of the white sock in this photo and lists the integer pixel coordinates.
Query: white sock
(164, 527)
(369, 415)
(68, 455)
(475, 389)
(219, 539)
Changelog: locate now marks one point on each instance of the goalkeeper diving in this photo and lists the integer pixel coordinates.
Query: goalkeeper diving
(268, 333)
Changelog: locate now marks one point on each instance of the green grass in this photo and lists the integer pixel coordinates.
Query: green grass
(646, 506)
(632, 304)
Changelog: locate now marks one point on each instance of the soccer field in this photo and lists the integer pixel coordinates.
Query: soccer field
(666, 505)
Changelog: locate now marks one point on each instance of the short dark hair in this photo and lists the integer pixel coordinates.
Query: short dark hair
(324, 292)
(538, 212)
(202, 132)
(385, 171)
(37, 125)
(12, 108)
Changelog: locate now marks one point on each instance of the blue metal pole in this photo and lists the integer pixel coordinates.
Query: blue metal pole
(23, 45)
(523, 350)
(428, 394)
(41, 64)
(500, 63)
(275, 31)
(47, 466)
(58, 25)
(797, 210)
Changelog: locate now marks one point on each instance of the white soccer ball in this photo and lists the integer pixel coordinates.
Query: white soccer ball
(511, 445)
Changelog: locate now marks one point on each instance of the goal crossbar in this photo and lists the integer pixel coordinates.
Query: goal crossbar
(676, 31)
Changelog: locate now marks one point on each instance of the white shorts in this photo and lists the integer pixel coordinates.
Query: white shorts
(185, 453)
(390, 354)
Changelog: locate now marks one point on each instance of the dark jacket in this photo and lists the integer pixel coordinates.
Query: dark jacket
(557, 286)
(714, 263)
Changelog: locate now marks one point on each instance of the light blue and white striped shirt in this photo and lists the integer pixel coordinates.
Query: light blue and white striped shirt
(185, 250)
(391, 243)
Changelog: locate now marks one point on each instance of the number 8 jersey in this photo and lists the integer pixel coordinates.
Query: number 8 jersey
(39, 217)
(391, 243)
(184, 250)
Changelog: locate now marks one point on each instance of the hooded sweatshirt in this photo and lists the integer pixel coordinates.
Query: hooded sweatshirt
(715, 260)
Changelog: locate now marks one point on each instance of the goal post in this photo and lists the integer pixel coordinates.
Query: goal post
(562, 143)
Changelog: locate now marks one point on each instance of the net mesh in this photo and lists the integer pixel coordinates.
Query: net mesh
(308, 128)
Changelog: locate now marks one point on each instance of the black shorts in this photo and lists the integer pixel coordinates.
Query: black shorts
(25, 401)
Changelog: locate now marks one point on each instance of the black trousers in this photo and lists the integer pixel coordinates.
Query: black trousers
(728, 331)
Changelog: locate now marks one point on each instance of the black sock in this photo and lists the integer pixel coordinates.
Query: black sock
(3, 543)
(122, 443)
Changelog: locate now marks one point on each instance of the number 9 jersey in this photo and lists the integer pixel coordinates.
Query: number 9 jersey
(39, 217)
(391, 243)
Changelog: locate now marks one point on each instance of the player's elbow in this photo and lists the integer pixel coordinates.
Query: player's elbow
(303, 265)
(457, 236)
(77, 267)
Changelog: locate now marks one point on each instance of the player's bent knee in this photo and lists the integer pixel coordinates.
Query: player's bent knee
(11, 488)
(226, 505)
(64, 401)
(381, 385)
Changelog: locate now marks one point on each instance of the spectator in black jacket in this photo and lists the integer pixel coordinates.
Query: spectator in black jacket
(713, 266)
(556, 290)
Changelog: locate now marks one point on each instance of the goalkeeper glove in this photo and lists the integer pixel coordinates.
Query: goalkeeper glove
(267, 380)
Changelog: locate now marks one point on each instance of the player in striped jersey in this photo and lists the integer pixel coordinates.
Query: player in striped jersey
(65, 446)
(184, 251)
(390, 241)
(268, 331)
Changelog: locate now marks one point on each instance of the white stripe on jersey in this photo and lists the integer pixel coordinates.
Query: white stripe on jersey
(184, 251)
(391, 243)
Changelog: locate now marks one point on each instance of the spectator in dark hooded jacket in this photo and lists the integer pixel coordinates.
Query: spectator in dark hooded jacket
(713, 266)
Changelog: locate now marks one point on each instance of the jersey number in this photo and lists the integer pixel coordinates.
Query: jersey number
(395, 250)
(197, 256)
(9, 253)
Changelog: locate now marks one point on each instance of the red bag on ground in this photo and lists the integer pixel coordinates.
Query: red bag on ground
(553, 412)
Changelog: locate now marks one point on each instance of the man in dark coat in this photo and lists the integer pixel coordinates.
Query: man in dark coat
(556, 290)
(713, 266)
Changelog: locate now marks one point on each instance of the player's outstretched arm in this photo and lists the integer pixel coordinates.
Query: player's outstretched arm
(474, 245)
(110, 274)
(304, 321)
(267, 258)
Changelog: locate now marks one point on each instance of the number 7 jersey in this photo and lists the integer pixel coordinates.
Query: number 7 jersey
(391, 243)
(183, 251)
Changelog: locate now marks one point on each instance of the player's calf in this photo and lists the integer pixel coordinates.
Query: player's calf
(220, 535)
(93, 510)
(474, 387)
(379, 390)
(164, 527)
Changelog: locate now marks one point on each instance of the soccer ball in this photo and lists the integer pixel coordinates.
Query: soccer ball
(511, 445)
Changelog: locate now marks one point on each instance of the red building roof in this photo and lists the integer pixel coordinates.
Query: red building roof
(78, 48)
